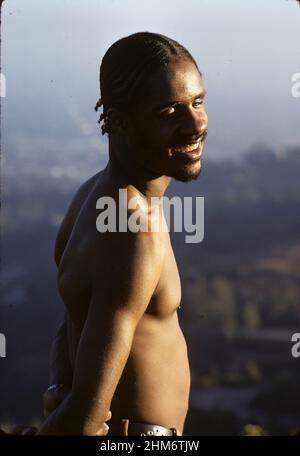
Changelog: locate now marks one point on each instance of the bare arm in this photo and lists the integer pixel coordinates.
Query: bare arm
(126, 276)
(60, 366)
(61, 373)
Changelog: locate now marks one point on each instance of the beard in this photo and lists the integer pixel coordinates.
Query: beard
(181, 168)
(186, 172)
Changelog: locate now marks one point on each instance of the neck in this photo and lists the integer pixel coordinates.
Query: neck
(125, 172)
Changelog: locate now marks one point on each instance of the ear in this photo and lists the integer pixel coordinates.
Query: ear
(116, 121)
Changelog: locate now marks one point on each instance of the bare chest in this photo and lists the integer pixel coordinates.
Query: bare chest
(75, 286)
(167, 295)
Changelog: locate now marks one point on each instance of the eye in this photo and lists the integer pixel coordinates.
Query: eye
(198, 103)
(167, 112)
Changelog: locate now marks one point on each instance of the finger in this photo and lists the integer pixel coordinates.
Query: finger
(103, 430)
(109, 415)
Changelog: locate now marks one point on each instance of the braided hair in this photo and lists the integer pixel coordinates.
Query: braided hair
(126, 66)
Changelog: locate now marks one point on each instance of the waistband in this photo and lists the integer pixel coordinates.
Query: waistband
(145, 429)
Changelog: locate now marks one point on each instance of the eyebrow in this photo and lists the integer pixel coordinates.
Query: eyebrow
(172, 103)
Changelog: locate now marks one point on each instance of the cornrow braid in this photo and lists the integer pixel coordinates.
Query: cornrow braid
(128, 63)
(98, 105)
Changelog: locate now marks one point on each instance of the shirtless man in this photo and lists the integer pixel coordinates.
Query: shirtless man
(122, 289)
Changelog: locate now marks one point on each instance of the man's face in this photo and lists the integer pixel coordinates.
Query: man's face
(167, 127)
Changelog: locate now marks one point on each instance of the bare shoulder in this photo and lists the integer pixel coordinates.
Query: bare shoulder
(142, 238)
(126, 270)
(142, 241)
(119, 249)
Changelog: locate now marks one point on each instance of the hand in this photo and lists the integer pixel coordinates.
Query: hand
(103, 430)
(52, 398)
(177, 432)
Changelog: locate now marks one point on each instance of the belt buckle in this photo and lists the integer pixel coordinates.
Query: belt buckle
(151, 430)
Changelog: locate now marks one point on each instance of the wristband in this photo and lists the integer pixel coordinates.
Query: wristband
(55, 386)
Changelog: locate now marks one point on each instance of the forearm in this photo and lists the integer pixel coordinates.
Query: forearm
(58, 422)
(95, 379)
(92, 393)
(60, 365)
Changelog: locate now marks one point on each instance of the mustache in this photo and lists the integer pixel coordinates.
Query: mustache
(191, 140)
(204, 135)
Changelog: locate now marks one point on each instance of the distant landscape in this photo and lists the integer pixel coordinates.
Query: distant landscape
(241, 289)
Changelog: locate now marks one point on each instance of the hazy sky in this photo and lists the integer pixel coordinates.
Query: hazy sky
(51, 51)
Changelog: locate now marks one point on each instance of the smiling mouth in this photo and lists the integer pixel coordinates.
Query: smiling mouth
(193, 150)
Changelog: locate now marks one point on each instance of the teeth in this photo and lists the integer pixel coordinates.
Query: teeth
(188, 148)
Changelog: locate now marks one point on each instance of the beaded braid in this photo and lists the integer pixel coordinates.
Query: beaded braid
(127, 65)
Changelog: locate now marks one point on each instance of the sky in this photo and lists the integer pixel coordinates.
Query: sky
(51, 53)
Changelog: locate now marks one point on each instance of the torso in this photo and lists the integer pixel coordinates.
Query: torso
(154, 387)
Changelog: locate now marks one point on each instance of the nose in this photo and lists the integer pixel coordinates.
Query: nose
(194, 124)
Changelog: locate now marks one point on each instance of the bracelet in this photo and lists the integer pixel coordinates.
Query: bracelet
(55, 386)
